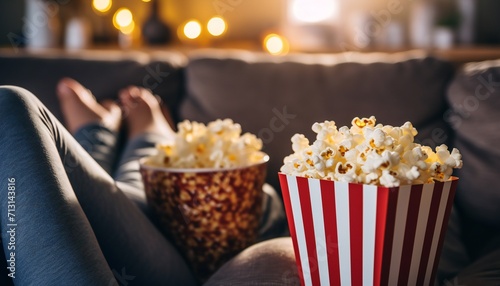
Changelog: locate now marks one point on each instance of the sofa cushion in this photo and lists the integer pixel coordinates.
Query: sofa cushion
(474, 96)
(103, 72)
(276, 97)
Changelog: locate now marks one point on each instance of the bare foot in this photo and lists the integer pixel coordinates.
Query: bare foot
(143, 113)
(79, 107)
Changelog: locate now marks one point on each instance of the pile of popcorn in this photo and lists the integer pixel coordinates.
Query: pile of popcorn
(216, 145)
(369, 153)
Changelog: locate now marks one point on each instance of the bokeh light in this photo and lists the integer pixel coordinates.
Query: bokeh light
(275, 44)
(128, 29)
(122, 18)
(313, 11)
(102, 6)
(216, 26)
(192, 29)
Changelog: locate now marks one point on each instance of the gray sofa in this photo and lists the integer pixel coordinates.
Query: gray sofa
(275, 97)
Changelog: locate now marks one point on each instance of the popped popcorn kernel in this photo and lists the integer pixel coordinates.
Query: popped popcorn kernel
(369, 153)
(219, 144)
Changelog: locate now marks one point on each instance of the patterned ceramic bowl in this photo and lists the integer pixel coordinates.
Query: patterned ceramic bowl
(210, 214)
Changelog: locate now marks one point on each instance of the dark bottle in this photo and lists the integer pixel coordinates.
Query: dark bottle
(154, 31)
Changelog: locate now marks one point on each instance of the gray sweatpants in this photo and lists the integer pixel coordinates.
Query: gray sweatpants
(74, 223)
(79, 218)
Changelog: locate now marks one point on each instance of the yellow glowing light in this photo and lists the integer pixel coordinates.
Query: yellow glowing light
(313, 11)
(216, 26)
(192, 29)
(122, 18)
(275, 44)
(102, 6)
(128, 29)
(146, 0)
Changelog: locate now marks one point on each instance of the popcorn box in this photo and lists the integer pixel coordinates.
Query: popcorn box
(355, 234)
(210, 214)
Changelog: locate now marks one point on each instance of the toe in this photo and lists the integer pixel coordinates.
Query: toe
(64, 88)
(112, 116)
(134, 92)
(68, 87)
(125, 98)
(109, 104)
(112, 107)
(149, 98)
(129, 96)
(78, 105)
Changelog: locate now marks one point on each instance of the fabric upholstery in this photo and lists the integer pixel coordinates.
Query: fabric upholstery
(474, 98)
(103, 72)
(278, 97)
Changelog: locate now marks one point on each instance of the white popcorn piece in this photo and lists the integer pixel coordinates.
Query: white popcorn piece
(369, 153)
(455, 159)
(358, 124)
(388, 179)
(371, 178)
(299, 142)
(345, 172)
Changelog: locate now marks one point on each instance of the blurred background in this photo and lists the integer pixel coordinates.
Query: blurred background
(276, 26)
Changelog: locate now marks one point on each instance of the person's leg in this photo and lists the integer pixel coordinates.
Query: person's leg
(271, 262)
(99, 137)
(127, 173)
(54, 241)
(4, 278)
(100, 142)
(55, 238)
(147, 126)
(95, 129)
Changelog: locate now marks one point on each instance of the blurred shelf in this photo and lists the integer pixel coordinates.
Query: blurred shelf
(466, 54)
(458, 55)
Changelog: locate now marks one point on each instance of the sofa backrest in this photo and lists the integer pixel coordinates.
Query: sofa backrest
(474, 114)
(276, 97)
(103, 72)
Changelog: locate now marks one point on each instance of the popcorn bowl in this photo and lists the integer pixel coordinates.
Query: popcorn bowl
(210, 214)
(355, 234)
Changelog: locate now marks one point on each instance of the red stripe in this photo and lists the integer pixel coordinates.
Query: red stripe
(291, 222)
(410, 230)
(449, 205)
(429, 232)
(330, 218)
(356, 232)
(305, 205)
(389, 235)
(382, 201)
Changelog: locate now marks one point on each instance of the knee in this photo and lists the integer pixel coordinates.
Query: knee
(15, 101)
(14, 95)
(271, 262)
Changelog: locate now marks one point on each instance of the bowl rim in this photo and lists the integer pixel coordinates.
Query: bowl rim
(144, 166)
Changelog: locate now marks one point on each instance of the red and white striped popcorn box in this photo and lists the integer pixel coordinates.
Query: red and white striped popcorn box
(355, 234)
